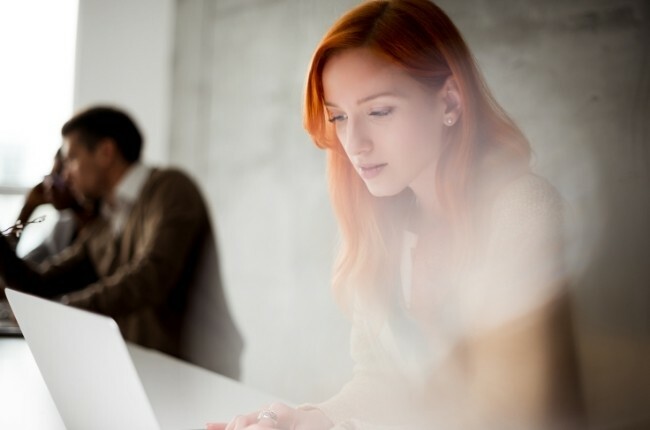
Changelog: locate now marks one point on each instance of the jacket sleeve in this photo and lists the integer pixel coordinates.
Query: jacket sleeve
(70, 270)
(172, 220)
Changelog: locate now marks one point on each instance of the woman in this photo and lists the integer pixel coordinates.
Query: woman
(450, 263)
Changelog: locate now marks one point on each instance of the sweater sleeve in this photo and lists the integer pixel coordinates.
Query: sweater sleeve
(373, 394)
(522, 268)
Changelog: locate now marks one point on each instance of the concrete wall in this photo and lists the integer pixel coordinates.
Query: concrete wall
(239, 68)
(575, 75)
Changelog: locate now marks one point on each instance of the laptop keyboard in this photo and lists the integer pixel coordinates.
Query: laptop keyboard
(5, 310)
(8, 325)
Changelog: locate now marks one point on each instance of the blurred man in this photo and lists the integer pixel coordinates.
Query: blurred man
(149, 261)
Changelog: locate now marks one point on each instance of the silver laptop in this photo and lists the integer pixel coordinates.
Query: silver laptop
(85, 364)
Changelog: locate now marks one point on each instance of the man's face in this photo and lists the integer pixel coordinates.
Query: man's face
(85, 169)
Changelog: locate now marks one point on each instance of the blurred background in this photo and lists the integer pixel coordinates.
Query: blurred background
(216, 86)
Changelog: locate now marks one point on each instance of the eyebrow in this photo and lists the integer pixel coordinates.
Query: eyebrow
(368, 98)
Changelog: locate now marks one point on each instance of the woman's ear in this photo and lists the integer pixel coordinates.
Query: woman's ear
(452, 101)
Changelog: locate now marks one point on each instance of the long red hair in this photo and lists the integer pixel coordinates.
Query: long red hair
(419, 37)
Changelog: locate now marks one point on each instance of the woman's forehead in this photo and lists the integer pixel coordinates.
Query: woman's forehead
(356, 75)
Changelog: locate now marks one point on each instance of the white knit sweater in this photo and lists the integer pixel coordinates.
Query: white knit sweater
(520, 269)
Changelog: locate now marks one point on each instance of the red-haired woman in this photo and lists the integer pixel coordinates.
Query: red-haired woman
(451, 253)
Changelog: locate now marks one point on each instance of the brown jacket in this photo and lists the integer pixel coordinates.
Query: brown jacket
(159, 278)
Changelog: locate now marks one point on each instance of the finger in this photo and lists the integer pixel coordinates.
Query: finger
(216, 426)
(231, 424)
(285, 415)
(242, 421)
(268, 418)
(267, 421)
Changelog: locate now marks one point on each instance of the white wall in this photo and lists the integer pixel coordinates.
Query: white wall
(124, 57)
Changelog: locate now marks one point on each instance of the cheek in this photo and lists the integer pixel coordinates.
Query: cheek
(340, 135)
(86, 169)
(414, 138)
(345, 151)
(79, 174)
(419, 148)
(425, 135)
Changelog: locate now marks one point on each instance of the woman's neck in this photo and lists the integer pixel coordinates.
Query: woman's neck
(426, 215)
(427, 203)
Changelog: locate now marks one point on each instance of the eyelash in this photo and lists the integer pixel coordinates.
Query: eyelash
(377, 113)
(382, 112)
(335, 118)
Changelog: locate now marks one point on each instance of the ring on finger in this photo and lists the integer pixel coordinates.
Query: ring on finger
(269, 415)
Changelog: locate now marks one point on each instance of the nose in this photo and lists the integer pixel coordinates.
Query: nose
(357, 139)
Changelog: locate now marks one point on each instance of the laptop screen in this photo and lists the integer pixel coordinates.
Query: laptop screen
(85, 364)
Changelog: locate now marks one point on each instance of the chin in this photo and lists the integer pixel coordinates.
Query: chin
(384, 191)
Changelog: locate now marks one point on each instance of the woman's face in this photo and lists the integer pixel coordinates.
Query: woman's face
(389, 124)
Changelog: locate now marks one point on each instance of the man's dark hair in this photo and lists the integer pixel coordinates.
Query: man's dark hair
(101, 122)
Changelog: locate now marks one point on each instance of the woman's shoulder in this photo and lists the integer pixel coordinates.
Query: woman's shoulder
(531, 184)
(522, 263)
(525, 200)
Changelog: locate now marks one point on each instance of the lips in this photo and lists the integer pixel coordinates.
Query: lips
(369, 171)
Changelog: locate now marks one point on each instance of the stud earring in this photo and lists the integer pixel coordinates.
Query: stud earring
(449, 121)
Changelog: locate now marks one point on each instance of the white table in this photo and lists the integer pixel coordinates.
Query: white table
(183, 396)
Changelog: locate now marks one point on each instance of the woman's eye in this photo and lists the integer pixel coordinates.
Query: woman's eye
(381, 112)
(336, 118)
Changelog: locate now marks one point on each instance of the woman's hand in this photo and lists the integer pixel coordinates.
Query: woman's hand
(277, 416)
